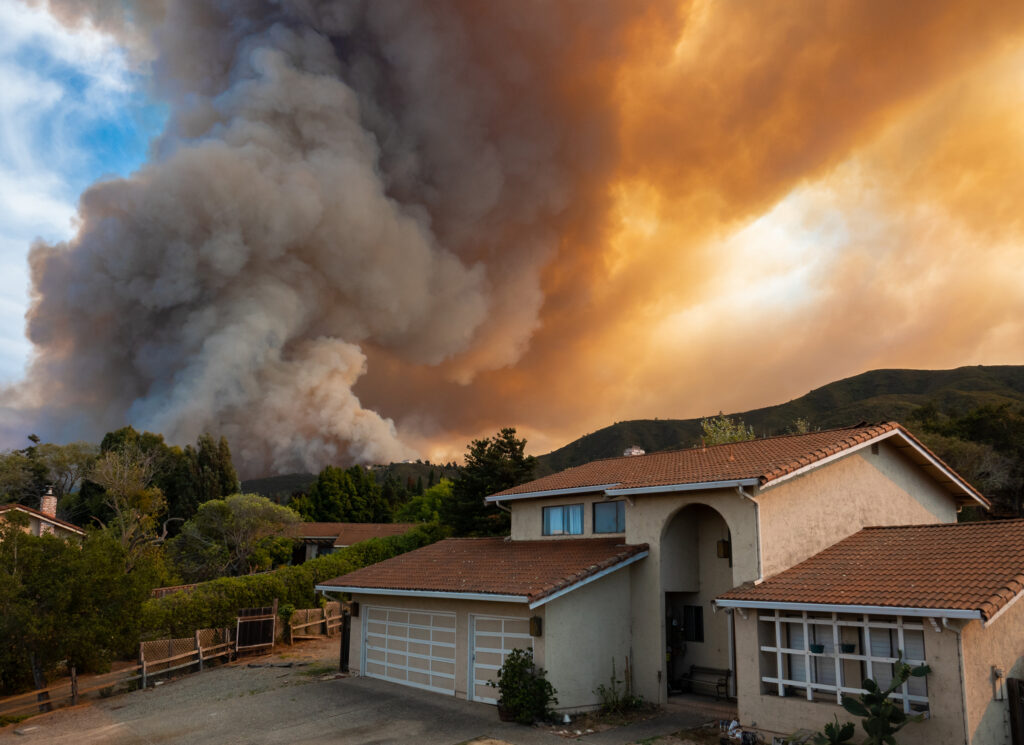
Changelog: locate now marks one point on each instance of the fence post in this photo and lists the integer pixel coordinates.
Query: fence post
(346, 637)
(74, 686)
(142, 663)
(199, 651)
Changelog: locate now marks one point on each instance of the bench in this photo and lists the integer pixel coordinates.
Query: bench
(709, 678)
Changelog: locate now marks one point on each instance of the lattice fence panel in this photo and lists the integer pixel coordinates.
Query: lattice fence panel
(163, 649)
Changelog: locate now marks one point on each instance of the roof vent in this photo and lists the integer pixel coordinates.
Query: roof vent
(634, 450)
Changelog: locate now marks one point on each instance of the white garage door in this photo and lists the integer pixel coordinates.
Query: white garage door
(409, 647)
(491, 639)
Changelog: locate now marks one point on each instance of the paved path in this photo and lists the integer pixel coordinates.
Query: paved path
(273, 705)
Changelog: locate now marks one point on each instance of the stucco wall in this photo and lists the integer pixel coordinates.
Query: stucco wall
(808, 513)
(784, 715)
(584, 631)
(462, 609)
(647, 522)
(528, 516)
(1001, 645)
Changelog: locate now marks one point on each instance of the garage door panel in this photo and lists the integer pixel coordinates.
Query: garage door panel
(416, 648)
(443, 637)
(493, 638)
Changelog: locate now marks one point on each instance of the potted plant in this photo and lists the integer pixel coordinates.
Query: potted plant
(524, 694)
(817, 648)
(848, 648)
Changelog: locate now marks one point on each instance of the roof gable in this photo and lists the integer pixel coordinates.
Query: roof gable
(966, 566)
(56, 522)
(762, 462)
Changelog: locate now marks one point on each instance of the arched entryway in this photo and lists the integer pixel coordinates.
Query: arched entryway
(696, 566)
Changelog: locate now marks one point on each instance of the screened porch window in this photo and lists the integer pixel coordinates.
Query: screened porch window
(565, 519)
(820, 657)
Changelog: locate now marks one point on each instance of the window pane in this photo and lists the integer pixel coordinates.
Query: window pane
(797, 671)
(553, 521)
(609, 517)
(574, 519)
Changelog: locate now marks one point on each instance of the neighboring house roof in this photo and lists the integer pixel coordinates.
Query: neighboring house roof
(347, 534)
(974, 567)
(762, 462)
(492, 569)
(56, 522)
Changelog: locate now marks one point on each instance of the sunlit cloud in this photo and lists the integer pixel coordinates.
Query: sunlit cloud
(70, 112)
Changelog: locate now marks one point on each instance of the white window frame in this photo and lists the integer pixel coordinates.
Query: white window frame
(778, 623)
(565, 519)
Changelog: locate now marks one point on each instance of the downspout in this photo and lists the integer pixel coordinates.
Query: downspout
(502, 507)
(757, 530)
(963, 682)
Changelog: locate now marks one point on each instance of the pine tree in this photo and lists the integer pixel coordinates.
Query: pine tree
(492, 465)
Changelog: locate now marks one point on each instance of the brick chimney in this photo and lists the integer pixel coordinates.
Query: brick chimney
(48, 504)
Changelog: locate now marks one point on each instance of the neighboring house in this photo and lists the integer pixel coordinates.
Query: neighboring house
(660, 536)
(319, 539)
(44, 520)
(944, 594)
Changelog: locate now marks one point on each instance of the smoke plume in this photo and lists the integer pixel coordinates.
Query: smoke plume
(459, 215)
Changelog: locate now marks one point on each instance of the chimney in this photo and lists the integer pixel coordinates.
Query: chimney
(48, 504)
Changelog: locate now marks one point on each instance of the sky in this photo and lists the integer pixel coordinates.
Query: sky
(356, 233)
(71, 113)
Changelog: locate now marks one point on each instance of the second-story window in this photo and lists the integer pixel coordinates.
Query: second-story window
(609, 517)
(565, 519)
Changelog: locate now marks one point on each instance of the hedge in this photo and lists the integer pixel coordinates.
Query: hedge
(215, 604)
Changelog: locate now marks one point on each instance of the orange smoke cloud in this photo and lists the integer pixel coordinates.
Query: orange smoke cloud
(420, 224)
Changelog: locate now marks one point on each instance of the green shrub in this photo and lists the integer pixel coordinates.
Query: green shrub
(215, 604)
(522, 688)
(882, 716)
(617, 697)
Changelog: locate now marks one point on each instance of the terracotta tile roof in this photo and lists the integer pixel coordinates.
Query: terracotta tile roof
(965, 566)
(42, 516)
(496, 566)
(347, 534)
(765, 459)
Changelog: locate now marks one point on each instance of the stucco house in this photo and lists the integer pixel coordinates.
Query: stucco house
(319, 539)
(43, 521)
(945, 595)
(624, 557)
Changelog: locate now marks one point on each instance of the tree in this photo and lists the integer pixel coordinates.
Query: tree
(722, 429)
(492, 465)
(425, 507)
(63, 600)
(211, 471)
(240, 534)
(343, 495)
(126, 477)
(66, 465)
(185, 477)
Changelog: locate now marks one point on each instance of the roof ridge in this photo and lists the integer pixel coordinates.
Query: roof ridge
(1015, 521)
(851, 428)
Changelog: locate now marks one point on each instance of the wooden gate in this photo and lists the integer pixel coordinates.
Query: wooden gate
(1015, 694)
(256, 628)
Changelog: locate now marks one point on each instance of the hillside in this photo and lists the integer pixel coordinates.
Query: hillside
(409, 475)
(878, 395)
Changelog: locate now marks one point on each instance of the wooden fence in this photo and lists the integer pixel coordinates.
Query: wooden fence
(315, 623)
(160, 592)
(66, 693)
(167, 655)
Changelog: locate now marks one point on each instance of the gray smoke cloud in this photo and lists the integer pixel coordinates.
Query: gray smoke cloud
(335, 177)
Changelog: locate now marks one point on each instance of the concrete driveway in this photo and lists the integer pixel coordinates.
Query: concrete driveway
(305, 703)
(273, 705)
